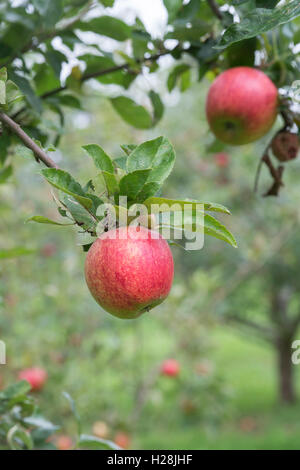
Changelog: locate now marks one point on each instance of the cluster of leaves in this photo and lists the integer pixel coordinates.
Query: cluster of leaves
(138, 176)
(23, 427)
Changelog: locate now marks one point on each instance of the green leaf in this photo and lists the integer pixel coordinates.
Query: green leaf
(95, 443)
(3, 74)
(50, 10)
(259, 21)
(18, 438)
(65, 182)
(175, 75)
(45, 427)
(172, 6)
(109, 182)
(79, 214)
(44, 220)
(158, 155)
(160, 201)
(215, 229)
(15, 390)
(266, 3)
(133, 113)
(101, 159)
(107, 3)
(107, 26)
(27, 90)
(208, 224)
(15, 252)
(45, 79)
(120, 162)
(158, 107)
(72, 404)
(55, 60)
(185, 81)
(128, 148)
(13, 92)
(5, 173)
(132, 184)
(70, 101)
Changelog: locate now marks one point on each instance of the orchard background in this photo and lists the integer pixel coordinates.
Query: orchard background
(77, 78)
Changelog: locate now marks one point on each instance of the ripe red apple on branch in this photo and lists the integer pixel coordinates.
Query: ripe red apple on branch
(129, 271)
(242, 105)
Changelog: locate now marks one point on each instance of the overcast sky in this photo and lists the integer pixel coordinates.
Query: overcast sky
(152, 12)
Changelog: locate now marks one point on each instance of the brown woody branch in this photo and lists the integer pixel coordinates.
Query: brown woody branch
(276, 173)
(215, 9)
(39, 153)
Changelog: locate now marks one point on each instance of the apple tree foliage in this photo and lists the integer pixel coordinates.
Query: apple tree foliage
(23, 426)
(45, 60)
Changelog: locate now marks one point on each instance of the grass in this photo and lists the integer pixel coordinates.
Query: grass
(256, 419)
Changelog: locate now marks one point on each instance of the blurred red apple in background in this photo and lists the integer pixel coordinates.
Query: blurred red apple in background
(48, 250)
(241, 105)
(170, 367)
(36, 376)
(221, 159)
(64, 442)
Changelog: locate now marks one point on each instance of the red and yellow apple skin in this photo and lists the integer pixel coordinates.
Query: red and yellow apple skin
(242, 105)
(129, 271)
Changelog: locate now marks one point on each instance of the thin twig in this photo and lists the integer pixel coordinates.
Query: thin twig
(97, 74)
(215, 9)
(100, 73)
(38, 152)
(39, 38)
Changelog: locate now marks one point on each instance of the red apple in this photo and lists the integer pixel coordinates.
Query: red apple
(129, 270)
(64, 442)
(222, 159)
(35, 376)
(170, 367)
(241, 105)
(122, 440)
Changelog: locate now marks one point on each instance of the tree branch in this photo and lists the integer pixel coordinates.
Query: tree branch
(266, 332)
(38, 152)
(100, 73)
(215, 9)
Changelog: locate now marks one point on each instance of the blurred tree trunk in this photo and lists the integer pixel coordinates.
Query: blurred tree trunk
(285, 370)
(285, 328)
